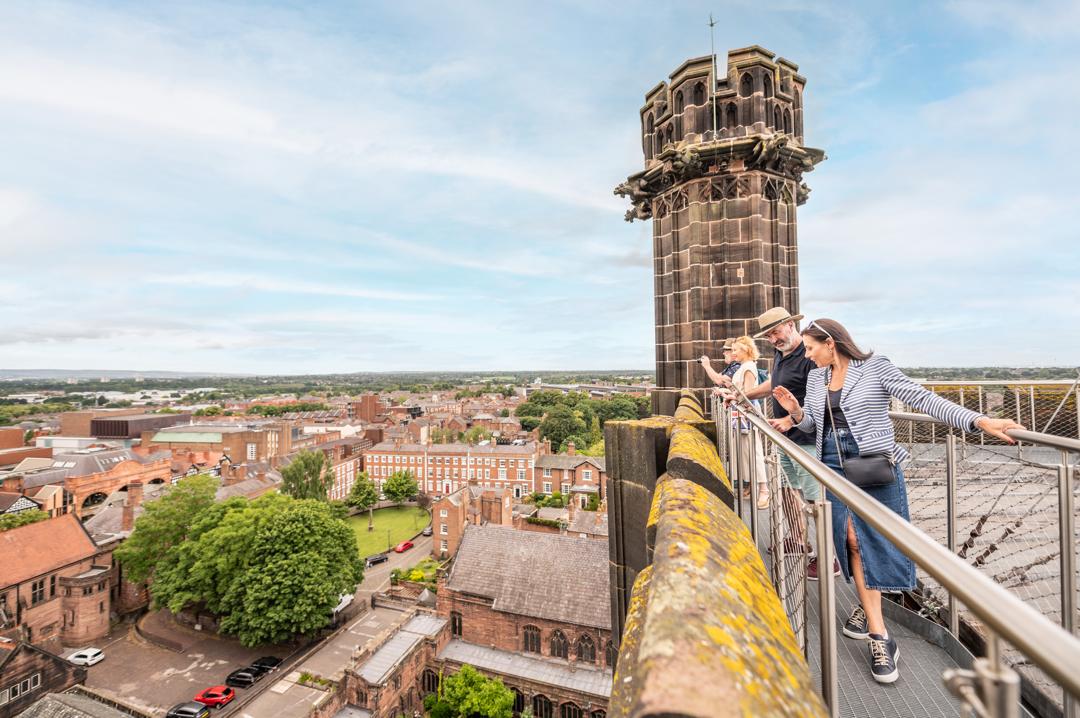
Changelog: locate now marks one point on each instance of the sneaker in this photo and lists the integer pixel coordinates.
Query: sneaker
(884, 653)
(763, 500)
(856, 625)
(812, 568)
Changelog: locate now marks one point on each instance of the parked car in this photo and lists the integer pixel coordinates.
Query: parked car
(87, 657)
(377, 559)
(427, 530)
(243, 678)
(188, 710)
(215, 696)
(403, 547)
(267, 663)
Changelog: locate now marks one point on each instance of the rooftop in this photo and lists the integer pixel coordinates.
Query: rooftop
(552, 672)
(559, 578)
(38, 548)
(377, 669)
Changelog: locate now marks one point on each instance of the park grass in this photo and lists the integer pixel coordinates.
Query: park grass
(403, 522)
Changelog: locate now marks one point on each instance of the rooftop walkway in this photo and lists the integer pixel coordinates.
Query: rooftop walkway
(918, 693)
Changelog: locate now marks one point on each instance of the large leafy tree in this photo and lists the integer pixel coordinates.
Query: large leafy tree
(364, 495)
(164, 524)
(470, 694)
(270, 568)
(560, 423)
(308, 476)
(400, 486)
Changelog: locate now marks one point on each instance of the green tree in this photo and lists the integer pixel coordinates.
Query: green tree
(308, 476)
(596, 449)
(528, 423)
(14, 521)
(594, 502)
(28, 436)
(214, 410)
(400, 486)
(470, 694)
(504, 412)
(271, 568)
(364, 495)
(165, 523)
(560, 423)
(477, 434)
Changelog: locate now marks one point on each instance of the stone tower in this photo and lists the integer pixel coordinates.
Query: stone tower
(722, 202)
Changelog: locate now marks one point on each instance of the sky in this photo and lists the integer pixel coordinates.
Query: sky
(326, 187)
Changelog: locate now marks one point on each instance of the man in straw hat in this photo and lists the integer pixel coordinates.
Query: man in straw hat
(790, 369)
(729, 359)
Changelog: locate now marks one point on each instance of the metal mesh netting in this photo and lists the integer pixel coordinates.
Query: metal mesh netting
(1007, 505)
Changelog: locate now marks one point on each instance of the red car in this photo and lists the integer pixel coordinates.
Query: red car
(216, 696)
(403, 547)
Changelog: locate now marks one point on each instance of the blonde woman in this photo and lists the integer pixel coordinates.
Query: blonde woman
(746, 354)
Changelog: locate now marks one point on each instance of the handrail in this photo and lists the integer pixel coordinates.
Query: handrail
(1031, 437)
(1048, 645)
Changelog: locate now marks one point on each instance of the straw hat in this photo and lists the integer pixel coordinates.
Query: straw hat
(772, 319)
(729, 344)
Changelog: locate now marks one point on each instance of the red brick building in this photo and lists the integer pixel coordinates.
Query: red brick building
(532, 609)
(574, 475)
(471, 504)
(444, 468)
(55, 587)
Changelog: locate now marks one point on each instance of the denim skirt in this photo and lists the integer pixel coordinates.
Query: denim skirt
(884, 567)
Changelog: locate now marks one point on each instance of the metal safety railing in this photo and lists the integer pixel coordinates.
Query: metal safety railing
(991, 688)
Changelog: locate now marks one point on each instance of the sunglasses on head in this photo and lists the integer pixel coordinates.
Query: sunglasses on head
(815, 325)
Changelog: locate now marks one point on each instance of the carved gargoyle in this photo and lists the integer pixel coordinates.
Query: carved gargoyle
(802, 194)
(687, 164)
(634, 190)
(640, 210)
(767, 152)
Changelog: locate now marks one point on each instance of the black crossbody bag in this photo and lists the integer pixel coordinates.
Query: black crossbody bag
(866, 471)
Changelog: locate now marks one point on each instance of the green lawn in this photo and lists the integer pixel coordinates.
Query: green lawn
(403, 522)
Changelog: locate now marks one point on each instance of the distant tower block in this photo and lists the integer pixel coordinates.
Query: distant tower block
(722, 204)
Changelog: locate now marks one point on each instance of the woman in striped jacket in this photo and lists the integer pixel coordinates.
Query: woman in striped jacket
(847, 408)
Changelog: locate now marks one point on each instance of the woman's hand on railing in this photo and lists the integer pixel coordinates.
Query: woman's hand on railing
(998, 427)
(788, 401)
(783, 424)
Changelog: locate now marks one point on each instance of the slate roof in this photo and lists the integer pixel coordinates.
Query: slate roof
(377, 669)
(70, 705)
(9, 501)
(563, 461)
(560, 578)
(592, 681)
(38, 548)
(589, 522)
(552, 513)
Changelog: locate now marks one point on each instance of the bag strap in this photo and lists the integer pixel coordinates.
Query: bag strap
(835, 438)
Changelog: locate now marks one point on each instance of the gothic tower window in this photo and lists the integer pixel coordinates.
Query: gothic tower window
(787, 121)
(766, 84)
(455, 624)
(732, 120)
(699, 94)
(778, 119)
(746, 85)
(569, 710)
(678, 102)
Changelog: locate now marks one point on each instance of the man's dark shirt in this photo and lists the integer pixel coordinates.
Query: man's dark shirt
(790, 372)
(731, 369)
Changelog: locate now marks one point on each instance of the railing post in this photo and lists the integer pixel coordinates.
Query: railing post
(736, 462)
(982, 435)
(826, 605)
(1019, 420)
(751, 472)
(950, 521)
(1067, 526)
(989, 688)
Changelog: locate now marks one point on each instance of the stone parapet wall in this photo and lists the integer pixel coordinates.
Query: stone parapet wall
(702, 630)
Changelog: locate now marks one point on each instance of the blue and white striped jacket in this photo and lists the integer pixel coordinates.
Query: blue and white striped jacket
(865, 401)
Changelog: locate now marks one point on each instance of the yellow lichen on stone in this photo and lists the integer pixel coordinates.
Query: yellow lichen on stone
(690, 444)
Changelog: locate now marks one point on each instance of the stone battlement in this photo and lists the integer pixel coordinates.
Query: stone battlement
(703, 633)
